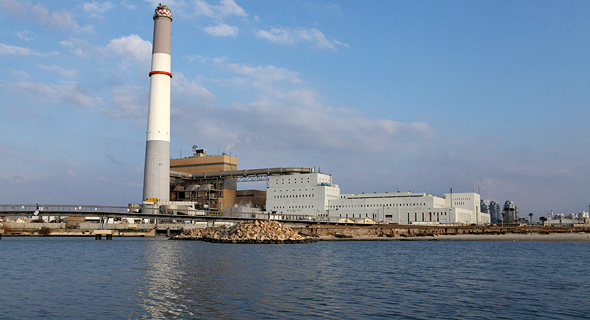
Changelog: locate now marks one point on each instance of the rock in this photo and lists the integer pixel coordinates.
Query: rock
(257, 231)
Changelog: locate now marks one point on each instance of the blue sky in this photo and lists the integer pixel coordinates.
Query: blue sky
(418, 96)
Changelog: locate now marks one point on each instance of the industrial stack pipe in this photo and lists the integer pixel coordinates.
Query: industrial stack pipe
(156, 180)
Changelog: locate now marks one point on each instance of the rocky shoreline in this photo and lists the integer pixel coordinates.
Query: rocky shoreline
(257, 231)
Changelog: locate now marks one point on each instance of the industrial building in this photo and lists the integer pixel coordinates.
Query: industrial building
(314, 196)
(213, 193)
(211, 182)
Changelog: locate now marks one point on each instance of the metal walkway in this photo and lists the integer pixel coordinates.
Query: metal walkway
(85, 211)
(241, 175)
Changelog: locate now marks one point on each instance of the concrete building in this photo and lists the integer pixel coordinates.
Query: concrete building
(314, 196)
(301, 194)
(569, 220)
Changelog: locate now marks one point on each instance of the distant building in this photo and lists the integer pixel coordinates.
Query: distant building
(314, 196)
(495, 211)
(509, 212)
(485, 205)
(570, 220)
(492, 208)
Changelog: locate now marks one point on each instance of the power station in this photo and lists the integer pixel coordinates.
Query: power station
(207, 185)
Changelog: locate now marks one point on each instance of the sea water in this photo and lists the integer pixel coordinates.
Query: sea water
(154, 278)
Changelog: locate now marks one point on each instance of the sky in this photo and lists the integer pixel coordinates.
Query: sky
(421, 96)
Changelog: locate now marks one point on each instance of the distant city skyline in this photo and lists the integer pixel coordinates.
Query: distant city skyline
(489, 96)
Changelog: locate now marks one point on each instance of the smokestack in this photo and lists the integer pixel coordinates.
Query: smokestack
(156, 179)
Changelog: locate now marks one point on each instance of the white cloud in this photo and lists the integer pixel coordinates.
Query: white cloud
(127, 5)
(62, 19)
(97, 8)
(264, 76)
(77, 47)
(78, 96)
(297, 35)
(128, 102)
(287, 119)
(70, 93)
(285, 112)
(25, 35)
(133, 47)
(57, 69)
(6, 50)
(182, 86)
(39, 91)
(224, 9)
(19, 75)
(222, 30)
(14, 7)
(14, 50)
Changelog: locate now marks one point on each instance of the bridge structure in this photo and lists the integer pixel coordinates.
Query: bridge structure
(153, 212)
(105, 212)
(60, 210)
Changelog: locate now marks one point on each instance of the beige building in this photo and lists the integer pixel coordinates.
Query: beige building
(200, 162)
(215, 193)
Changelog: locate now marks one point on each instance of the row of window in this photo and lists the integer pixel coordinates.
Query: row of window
(377, 205)
(360, 215)
(295, 196)
(287, 190)
(430, 216)
(292, 207)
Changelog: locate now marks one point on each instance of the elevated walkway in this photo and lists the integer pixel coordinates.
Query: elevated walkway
(240, 175)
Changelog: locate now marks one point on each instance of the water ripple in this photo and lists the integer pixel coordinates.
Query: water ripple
(78, 278)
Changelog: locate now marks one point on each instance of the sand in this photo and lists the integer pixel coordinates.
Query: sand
(568, 237)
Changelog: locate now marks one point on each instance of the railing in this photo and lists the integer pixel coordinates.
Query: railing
(154, 212)
(50, 208)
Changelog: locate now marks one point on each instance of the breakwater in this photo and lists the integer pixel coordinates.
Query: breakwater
(256, 231)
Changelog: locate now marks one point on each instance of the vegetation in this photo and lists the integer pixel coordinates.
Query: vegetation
(44, 231)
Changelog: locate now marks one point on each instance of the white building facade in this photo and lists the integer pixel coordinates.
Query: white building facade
(314, 196)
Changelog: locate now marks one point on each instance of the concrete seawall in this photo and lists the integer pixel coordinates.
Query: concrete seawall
(399, 231)
(319, 231)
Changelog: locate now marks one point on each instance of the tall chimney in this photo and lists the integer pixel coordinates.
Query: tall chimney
(156, 179)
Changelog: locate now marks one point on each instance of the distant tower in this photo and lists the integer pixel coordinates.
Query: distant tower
(509, 212)
(495, 212)
(156, 179)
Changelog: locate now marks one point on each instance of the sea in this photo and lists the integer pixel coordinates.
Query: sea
(156, 278)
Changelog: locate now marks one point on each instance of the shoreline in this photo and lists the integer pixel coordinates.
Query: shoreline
(552, 237)
(513, 237)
